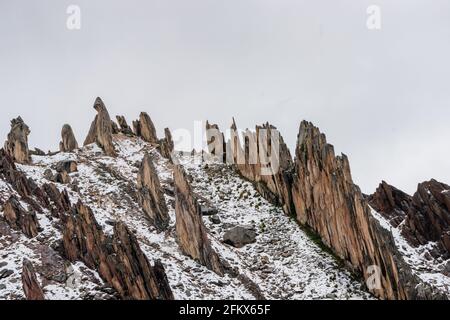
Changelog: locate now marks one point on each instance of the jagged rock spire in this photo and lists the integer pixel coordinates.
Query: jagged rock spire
(166, 145)
(68, 142)
(150, 194)
(118, 259)
(191, 234)
(428, 218)
(101, 129)
(16, 144)
(21, 219)
(31, 286)
(124, 127)
(327, 201)
(145, 128)
(390, 202)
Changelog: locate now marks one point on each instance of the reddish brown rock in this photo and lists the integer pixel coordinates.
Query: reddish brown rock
(68, 142)
(166, 146)
(16, 146)
(21, 219)
(150, 194)
(31, 286)
(124, 127)
(391, 203)
(327, 201)
(118, 259)
(191, 234)
(145, 128)
(428, 219)
(101, 130)
(216, 141)
(262, 158)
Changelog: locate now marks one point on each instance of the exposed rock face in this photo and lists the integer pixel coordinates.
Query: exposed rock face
(101, 129)
(391, 203)
(68, 142)
(17, 143)
(31, 286)
(150, 194)
(327, 200)
(119, 260)
(191, 233)
(21, 219)
(124, 127)
(264, 159)
(428, 218)
(166, 146)
(145, 128)
(216, 141)
(239, 237)
(68, 166)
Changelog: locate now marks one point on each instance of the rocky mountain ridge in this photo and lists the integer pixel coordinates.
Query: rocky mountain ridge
(126, 217)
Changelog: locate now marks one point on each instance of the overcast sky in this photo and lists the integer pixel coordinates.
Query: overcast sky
(381, 96)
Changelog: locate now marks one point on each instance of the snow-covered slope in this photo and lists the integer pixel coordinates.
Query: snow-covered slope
(283, 263)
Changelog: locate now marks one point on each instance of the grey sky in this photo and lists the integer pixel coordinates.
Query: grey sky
(382, 97)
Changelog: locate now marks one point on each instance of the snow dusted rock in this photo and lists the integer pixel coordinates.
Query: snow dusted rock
(428, 219)
(69, 166)
(124, 127)
(31, 286)
(391, 203)
(327, 200)
(150, 194)
(118, 259)
(166, 146)
(216, 141)
(21, 219)
(145, 128)
(101, 129)
(17, 143)
(68, 142)
(191, 233)
(239, 236)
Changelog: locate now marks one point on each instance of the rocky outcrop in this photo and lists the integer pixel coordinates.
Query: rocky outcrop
(215, 140)
(123, 126)
(68, 142)
(327, 201)
(21, 219)
(391, 203)
(150, 194)
(101, 129)
(31, 286)
(118, 259)
(145, 128)
(191, 233)
(428, 218)
(17, 143)
(166, 146)
(263, 158)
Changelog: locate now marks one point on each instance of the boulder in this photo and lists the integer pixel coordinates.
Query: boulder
(239, 236)
(16, 146)
(68, 142)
